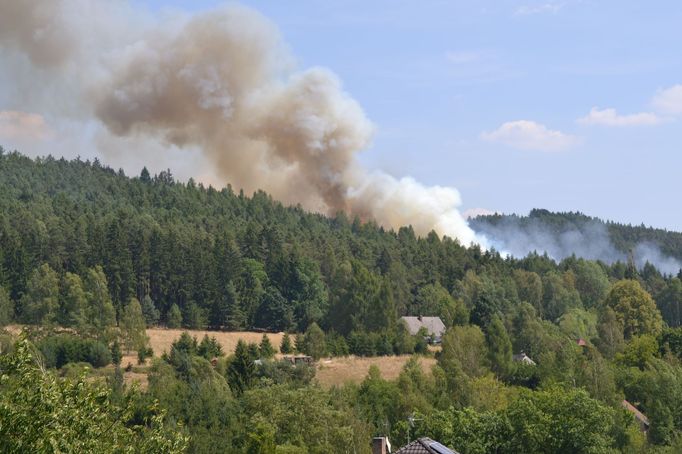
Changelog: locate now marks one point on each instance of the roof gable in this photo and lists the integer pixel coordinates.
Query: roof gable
(434, 325)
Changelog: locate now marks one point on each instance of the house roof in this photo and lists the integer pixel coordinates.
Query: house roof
(434, 325)
(523, 358)
(639, 416)
(425, 446)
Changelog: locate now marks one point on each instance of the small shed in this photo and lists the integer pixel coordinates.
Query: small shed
(434, 326)
(299, 359)
(523, 358)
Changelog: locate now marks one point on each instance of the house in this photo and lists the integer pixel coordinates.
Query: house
(641, 419)
(434, 326)
(523, 358)
(425, 446)
(581, 342)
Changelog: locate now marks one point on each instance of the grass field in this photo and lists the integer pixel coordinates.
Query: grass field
(338, 371)
(330, 371)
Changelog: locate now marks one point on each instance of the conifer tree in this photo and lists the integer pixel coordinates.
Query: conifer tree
(6, 308)
(265, 347)
(241, 371)
(174, 317)
(286, 347)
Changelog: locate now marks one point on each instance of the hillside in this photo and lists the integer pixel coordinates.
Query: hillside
(564, 234)
(92, 259)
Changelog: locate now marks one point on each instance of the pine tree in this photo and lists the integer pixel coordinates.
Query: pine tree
(241, 371)
(313, 342)
(150, 312)
(174, 317)
(265, 348)
(286, 347)
(6, 308)
(116, 354)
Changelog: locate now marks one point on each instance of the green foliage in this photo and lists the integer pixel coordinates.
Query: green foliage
(100, 312)
(150, 312)
(265, 348)
(286, 347)
(6, 308)
(42, 413)
(464, 350)
(241, 369)
(308, 418)
(74, 302)
(62, 349)
(639, 351)
(174, 317)
(209, 348)
(499, 347)
(314, 342)
(116, 354)
(79, 241)
(132, 325)
(40, 303)
(634, 309)
(554, 420)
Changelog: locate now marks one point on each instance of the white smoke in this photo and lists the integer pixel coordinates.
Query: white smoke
(221, 83)
(589, 240)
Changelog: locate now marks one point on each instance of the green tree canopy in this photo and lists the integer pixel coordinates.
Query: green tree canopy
(634, 308)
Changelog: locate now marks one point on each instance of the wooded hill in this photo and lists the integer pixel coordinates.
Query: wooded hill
(624, 237)
(86, 247)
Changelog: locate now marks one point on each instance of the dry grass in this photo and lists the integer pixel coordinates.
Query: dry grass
(331, 372)
(136, 377)
(161, 339)
(338, 371)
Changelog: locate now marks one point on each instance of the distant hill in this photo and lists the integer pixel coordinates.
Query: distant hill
(565, 234)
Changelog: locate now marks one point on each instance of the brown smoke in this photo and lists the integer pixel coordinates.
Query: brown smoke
(223, 82)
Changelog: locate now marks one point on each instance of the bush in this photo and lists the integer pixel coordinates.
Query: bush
(66, 348)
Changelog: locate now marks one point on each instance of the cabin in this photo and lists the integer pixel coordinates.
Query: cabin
(434, 326)
(523, 358)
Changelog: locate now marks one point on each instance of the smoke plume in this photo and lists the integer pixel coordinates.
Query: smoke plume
(221, 82)
(588, 239)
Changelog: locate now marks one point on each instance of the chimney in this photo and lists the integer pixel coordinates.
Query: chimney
(381, 445)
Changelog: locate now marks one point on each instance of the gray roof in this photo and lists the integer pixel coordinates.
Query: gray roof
(523, 358)
(425, 446)
(434, 325)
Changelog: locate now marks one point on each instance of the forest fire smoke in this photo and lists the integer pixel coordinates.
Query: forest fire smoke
(223, 82)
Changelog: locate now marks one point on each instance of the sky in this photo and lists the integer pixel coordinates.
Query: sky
(565, 105)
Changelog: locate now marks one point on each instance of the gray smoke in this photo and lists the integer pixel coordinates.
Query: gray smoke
(589, 240)
(221, 83)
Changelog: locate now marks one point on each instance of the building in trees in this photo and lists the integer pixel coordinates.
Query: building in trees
(434, 326)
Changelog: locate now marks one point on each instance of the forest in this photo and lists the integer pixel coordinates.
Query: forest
(91, 257)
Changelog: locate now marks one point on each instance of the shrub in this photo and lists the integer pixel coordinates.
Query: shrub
(66, 348)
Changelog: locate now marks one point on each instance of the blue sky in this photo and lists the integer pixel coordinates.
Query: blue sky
(439, 78)
(559, 104)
